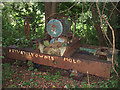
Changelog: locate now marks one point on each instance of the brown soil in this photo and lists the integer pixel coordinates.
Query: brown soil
(45, 77)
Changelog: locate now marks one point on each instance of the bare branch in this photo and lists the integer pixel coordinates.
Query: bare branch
(113, 34)
(115, 7)
(66, 9)
(103, 7)
(88, 79)
(112, 11)
(102, 24)
(55, 14)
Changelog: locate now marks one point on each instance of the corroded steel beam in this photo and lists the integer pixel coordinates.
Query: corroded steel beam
(94, 67)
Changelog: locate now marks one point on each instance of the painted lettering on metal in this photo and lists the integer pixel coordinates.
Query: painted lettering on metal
(46, 57)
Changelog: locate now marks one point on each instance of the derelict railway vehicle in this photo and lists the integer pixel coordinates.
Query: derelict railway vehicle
(64, 51)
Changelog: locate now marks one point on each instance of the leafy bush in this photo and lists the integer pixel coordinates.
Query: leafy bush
(13, 21)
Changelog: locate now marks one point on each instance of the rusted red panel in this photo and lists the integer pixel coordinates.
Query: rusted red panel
(94, 67)
(71, 48)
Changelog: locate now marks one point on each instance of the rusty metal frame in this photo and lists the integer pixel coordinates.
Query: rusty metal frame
(99, 68)
(94, 67)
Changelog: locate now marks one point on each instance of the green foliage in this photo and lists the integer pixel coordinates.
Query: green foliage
(31, 68)
(6, 73)
(13, 21)
(71, 74)
(26, 83)
(112, 82)
(76, 14)
(13, 28)
(35, 70)
(12, 86)
(30, 64)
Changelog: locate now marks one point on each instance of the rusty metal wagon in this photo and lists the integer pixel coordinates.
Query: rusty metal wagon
(76, 56)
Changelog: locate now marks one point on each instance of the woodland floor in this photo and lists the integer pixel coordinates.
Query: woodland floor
(16, 74)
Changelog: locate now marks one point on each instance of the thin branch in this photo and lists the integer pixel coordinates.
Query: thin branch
(68, 8)
(113, 34)
(108, 9)
(88, 79)
(90, 6)
(56, 13)
(62, 11)
(102, 24)
(112, 12)
(115, 7)
(103, 7)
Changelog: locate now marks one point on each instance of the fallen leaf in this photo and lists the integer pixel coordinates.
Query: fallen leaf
(11, 80)
(65, 86)
(53, 86)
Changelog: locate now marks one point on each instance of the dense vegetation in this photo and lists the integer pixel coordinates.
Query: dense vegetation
(13, 21)
(87, 20)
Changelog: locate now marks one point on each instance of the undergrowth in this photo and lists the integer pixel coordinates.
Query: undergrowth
(45, 77)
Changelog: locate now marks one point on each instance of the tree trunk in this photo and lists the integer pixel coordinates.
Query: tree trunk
(102, 41)
(47, 12)
(50, 9)
(54, 8)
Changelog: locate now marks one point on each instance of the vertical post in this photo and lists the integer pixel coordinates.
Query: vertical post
(27, 33)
